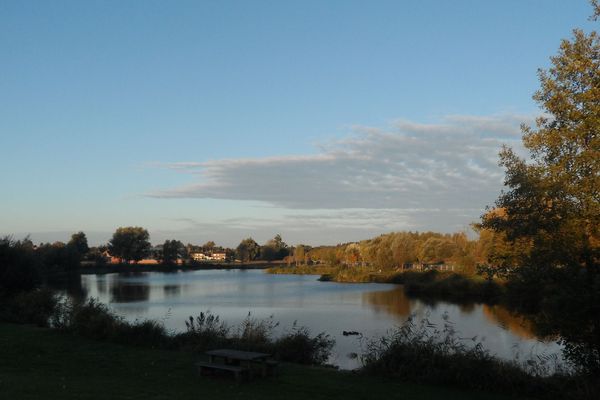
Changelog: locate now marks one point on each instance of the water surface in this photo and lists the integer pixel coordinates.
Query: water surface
(372, 309)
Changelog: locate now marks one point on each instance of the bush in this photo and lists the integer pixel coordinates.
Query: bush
(94, 320)
(297, 346)
(34, 307)
(204, 332)
(419, 352)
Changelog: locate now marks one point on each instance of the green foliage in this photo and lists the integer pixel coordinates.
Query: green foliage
(299, 347)
(79, 243)
(129, 243)
(553, 203)
(206, 331)
(274, 249)
(247, 250)
(172, 251)
(95, 320)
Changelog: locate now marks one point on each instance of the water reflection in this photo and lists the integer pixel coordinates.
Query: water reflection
(394, 302)
(123, 292)
(517, 324)
(172, 290)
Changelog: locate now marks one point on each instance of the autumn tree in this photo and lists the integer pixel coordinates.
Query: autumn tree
(129, 243)
(299, 254)
(553, 200)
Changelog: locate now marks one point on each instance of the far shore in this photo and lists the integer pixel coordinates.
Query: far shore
(116, 268)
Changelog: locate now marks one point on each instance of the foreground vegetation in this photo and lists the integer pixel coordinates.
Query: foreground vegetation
(206, 331)
(416, 352)
(41, 363)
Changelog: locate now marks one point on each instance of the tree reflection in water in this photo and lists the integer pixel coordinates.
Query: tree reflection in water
(129, 293)
(517, 324)
(394, 302)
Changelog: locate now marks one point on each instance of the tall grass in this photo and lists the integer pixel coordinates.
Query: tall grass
(421, 352)
(207, 331)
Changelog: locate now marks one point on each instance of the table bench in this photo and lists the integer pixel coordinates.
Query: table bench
(237, 371)
(244, 358)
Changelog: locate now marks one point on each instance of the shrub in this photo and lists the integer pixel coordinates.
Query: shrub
(420, 352)
(34, 307)
(299, 347)
(256, 333)
(204, 332)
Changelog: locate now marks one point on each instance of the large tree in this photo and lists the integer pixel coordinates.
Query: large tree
(79, 243)
(553, 201)
(554, 198)
(274, 249)
(172, 251)
(129, 243)
(247, 250)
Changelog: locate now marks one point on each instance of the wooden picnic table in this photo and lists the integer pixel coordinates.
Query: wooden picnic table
(241, 358)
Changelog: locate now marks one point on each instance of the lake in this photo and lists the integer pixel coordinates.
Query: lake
(369, 308)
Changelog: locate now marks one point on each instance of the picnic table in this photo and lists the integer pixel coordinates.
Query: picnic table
(238, 361)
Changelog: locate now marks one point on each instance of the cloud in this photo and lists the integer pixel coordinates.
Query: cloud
(406, 166)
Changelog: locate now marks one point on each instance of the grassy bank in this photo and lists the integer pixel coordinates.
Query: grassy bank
(432, 284)
(192, 266)
(41, 363)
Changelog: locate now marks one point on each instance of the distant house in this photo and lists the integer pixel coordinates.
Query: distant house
(111, 259)
(148, 261)
(197, 256)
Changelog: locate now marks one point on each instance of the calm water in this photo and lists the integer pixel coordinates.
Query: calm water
(371, 309)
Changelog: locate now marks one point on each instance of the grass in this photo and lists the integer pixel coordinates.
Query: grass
(42, 363)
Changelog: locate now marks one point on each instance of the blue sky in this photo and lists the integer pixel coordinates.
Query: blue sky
(325, 121)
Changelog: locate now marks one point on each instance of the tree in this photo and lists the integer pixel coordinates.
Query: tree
(79, 243)
(19, 270)
(299, 254)
(247, 250)
(76, 249)
(553, 201)
(172, 251)
(269, 252)
(129, 243)
(208, 246)
(274, 249)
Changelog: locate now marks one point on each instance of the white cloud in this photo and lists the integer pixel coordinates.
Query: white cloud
(406, 166)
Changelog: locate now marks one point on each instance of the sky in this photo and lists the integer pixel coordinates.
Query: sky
(324, 121)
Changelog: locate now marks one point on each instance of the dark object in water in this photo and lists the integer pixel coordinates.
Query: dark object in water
(350, 333)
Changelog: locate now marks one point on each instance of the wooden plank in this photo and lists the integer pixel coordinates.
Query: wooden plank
(223, 367)
(237, 354)
(237, 371)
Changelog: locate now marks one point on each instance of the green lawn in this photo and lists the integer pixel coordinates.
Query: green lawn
(42, 364)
